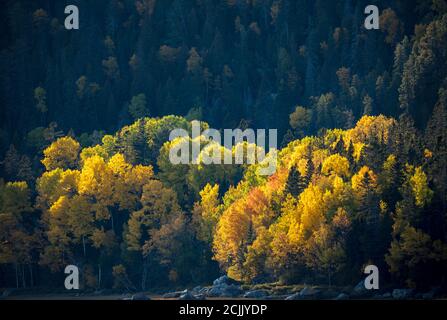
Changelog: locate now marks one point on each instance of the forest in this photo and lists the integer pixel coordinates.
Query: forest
(85, 118)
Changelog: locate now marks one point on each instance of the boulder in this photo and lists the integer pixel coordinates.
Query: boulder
(7, 293)
(256, 294)
(275, 297)
(342, 296)
(204, 291)
(224, 280)
(428, 296)
(224, 290)
(360, 290)
(431, 294)
(401, 294)
(309, 293)
(171, 295)
(232, 291)
(197, 289)
(140, 297)
(417, 296)
(295, 296)
(216, 291)
(175, 294)
(187, 295)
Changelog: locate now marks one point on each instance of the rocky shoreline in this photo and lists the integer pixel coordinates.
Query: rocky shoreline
(226, 288)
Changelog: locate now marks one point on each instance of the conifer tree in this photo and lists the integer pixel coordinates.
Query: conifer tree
(296, 183)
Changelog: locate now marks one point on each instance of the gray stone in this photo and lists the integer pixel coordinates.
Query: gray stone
(256, 294)
(197, 289)
(342, 296)
(307, 293)
(216, 291)
(187, 295)
(295, 296)
(224, 290)
(224, 280)
(204, 291)
(232, 291)
(275, 297)
(171, 295)
(401, 294)
(417, 296)
(7, 292)
(430, 294)
(140, 297)
(200, 297)
(360, 290)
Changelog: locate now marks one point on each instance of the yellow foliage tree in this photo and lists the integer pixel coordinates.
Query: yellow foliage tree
(63, 153)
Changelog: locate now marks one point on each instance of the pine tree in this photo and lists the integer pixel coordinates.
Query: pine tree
(436, 142)
(350, 154)
(340, 146)
(310, 167)
(296, 183)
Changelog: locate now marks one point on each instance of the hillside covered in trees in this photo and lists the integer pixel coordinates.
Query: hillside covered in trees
(85, 119)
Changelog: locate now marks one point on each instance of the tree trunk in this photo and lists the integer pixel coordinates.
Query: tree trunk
(17, 276)
(31, 275)
(83, 244)
(99, 276)
(330, 277)
(23, 276)
(144, 275)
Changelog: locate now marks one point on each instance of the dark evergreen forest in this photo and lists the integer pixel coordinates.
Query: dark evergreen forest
(85, 118)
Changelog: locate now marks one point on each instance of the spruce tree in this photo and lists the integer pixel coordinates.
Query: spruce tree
(296, 183)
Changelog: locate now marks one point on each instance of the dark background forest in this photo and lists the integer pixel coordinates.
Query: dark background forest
(356, 109)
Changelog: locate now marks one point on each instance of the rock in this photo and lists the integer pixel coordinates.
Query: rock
(220, 281)
(256, 294)
(276, 297)
(360, 290)
(216, 291)
(204, 291)
(307, 293)
(187, 295)
(401, 294)
(224, 280)
(342, 296)
(171, 295)
(7, 293)
(197, 289)
(430, 294)
(223, 287)
(295, 296)
(360, 287)
(200, 297)
(225, 290)
(232, 291)
(140, 297)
